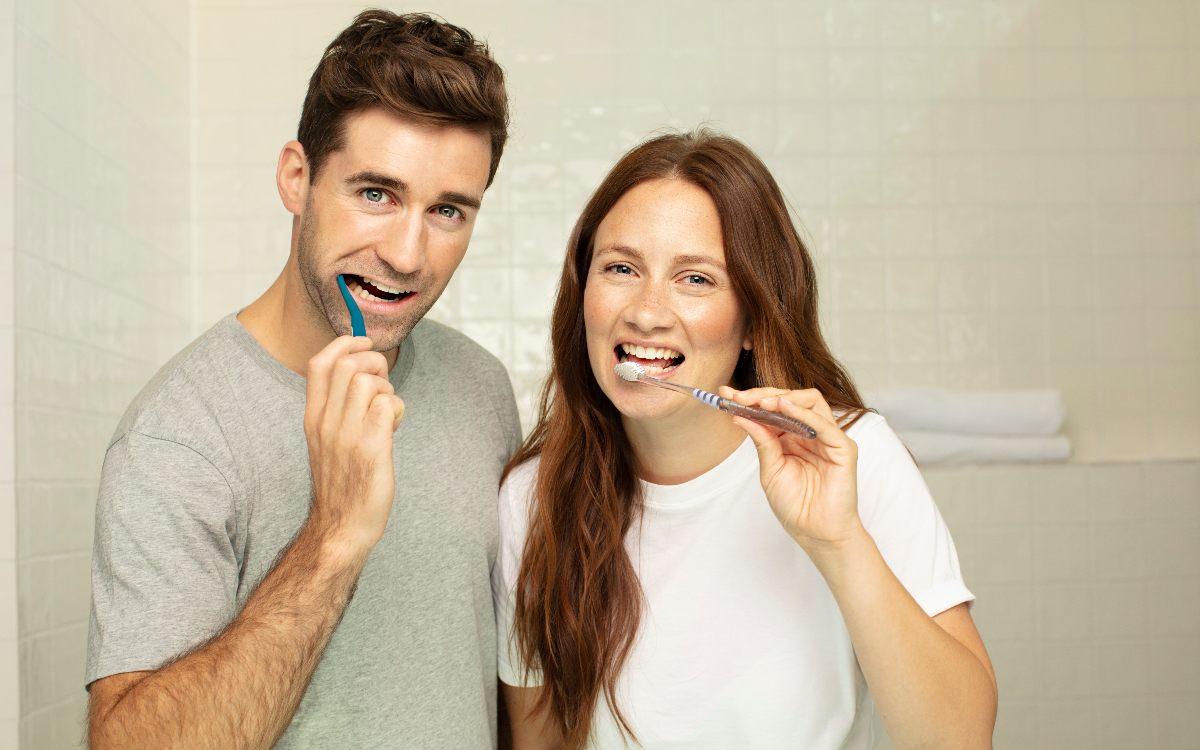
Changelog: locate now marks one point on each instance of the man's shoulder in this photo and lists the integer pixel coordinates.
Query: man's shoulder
(187, 388)
(458, 356)
(451, 342)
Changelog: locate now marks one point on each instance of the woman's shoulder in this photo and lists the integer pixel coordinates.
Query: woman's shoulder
(516, 490)
(877, 442)
(865, 426)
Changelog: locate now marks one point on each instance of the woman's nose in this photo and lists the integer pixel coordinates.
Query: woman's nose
(649, 310)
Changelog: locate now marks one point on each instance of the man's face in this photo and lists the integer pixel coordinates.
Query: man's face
(393, 210)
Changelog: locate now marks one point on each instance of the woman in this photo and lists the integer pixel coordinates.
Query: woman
(672, 577)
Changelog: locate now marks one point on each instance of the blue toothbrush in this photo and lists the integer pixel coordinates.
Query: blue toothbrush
(356, 321)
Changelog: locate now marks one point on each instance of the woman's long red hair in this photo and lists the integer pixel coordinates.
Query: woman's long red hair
(578, 599)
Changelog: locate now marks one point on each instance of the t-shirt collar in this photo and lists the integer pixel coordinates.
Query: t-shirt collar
(295, 381)
(717, 480)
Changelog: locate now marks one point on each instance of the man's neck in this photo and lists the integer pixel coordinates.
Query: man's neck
(285, 324)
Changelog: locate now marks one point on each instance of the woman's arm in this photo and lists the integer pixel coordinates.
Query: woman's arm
(930, 677)
(531, 730)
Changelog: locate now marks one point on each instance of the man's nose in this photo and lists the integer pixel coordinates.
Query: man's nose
(404, 246)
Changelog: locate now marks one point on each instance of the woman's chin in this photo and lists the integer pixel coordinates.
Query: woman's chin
(648, 407)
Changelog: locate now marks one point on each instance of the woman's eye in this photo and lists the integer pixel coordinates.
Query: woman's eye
(696, 279)
(620, 268)
(450, 212)
(374, 195)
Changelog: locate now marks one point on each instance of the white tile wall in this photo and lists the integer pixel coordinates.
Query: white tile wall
(1088, 586)
(102, 208)
(997, 193)
(10, 699)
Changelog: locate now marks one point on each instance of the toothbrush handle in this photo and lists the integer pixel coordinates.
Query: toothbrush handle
(771, 418)
(356, 319)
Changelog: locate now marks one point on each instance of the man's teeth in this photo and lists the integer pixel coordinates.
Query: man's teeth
(382, 287)
(361, 292)
(650, 352)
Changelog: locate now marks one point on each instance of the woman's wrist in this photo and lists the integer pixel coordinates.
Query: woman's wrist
(835, 556)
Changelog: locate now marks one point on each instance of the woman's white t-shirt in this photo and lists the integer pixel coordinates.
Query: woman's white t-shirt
(741, 643)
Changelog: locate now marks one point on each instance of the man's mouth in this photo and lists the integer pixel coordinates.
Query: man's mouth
(658, 361)
(374, 290)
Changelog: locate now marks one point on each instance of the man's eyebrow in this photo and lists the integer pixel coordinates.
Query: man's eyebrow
(400, 186)
(460, 198)
(392, 183)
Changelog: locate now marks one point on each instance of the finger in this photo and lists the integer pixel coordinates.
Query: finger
(364, 387)
(344, 371)
(828, 432)
(397, 412)
(810, 398)
(382, 417)
(770, 452)
(319, 370)
(751, 396)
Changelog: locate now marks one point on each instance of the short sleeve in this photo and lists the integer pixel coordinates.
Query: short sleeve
(515, 494)
(164, 568)
(899, 513)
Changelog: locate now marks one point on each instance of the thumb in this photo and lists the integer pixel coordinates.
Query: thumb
(770, 450)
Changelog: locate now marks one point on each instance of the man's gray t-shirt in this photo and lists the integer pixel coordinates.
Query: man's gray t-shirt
(207, 480)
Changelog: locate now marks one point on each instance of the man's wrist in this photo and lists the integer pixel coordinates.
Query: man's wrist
(334, 551)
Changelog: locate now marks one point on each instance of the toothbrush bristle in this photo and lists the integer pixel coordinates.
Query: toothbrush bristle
(630, 371)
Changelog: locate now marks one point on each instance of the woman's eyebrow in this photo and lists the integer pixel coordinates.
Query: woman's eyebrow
(620, 250)
(691, 260)
(683, 259)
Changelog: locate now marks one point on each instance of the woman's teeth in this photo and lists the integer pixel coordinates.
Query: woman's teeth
(654, 360)
(649, 352)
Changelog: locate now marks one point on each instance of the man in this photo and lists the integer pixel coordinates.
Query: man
(254, 581)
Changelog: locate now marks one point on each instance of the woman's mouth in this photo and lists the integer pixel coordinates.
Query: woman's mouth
(659, 362)
(372, 290)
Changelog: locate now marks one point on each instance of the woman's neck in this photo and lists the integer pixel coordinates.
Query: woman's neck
(680, 448)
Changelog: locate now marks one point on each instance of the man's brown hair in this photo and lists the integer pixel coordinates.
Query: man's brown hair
(412, 65)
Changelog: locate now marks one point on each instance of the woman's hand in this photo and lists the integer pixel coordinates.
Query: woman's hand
(811, 484)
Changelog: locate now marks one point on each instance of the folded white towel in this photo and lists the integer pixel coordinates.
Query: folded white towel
(946, 448)
(1011, 412)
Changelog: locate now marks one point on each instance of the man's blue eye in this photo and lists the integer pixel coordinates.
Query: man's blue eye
(374, 195)
(450, 212)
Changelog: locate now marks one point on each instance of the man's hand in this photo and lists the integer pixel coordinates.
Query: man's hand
(351, 413)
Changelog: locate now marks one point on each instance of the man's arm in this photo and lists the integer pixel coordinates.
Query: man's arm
(241, 688)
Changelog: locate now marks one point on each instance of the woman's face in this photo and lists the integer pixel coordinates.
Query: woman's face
(658, 294)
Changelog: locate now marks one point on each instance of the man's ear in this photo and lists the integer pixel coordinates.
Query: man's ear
(291, 177)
